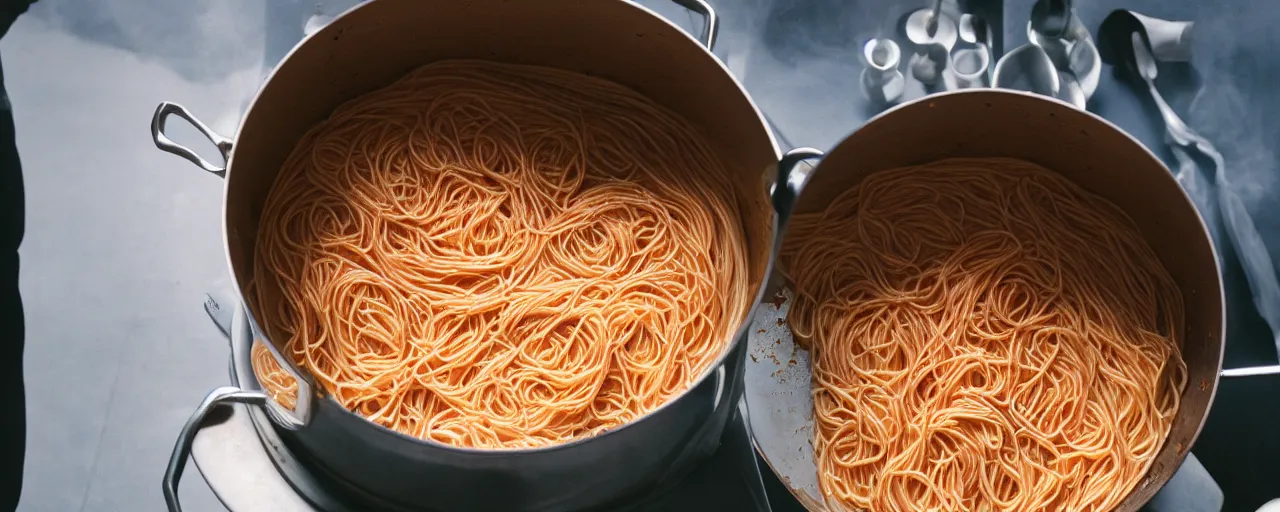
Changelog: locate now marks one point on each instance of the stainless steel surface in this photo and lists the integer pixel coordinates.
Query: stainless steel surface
(710, 20)
(747, 460)
(250, 469)
(301, 413)
(881, 54)
(793, 179)
(1071, 91)
(918, 28)
(1082, 147)
(1252, 371)
(1055, 27)
(971, 67)
(931, 26)
(1051, 17)
(1170, 40)
(1027, 68)
(880, 79)
(182, 450)
(1178, 131)
(974, 29)
(932, 34)
(971, 58)
(280, 463)
(164, 143)
(668, 66)
(221, 317)
(240, 472)
(779, 400)
(1078, 60)
(1085, 65)
(242, 457)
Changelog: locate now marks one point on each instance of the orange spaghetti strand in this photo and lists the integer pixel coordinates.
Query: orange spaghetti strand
(985, 335)
(502, 256)
(279, 384)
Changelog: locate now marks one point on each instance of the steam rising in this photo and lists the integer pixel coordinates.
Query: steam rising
(1234, 53)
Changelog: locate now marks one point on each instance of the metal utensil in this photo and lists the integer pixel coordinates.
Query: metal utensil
(1071, 91)
(971, 59)
(1169, 41)
(1085, 65)
(931, 26)
(971, 67)
(1027, 68)
(1185, 142)
(933, 35)
(221, 316)
(1178, 131)
(974, 29)
(1055, 27)
(881, 80)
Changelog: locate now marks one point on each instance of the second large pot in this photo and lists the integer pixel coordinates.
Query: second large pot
(369, 47)
(1080, 146)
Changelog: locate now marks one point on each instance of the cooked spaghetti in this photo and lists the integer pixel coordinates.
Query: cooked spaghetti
(501, 256)
(985, 335)
(278, 384)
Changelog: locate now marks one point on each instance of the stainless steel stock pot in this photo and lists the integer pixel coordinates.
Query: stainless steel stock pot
(372, 45)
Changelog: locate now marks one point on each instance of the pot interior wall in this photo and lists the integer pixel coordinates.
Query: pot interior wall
(1095, 155)
(381, 40)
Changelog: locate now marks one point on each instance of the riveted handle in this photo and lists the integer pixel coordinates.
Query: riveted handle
(182, 448)
(158, 120)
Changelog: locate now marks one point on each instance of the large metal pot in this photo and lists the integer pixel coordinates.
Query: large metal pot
(1084, 148)
(369, 47)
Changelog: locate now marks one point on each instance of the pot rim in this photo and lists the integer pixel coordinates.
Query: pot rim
(737, 338)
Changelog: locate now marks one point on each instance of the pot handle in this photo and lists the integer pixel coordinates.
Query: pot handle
(711, 21)
(788, 182)
(242, 333)
(163, 111)
(182, 449)
(1251, 371)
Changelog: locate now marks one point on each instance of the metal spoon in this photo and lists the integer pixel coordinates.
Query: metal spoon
(1179, 132)
(1254, 258)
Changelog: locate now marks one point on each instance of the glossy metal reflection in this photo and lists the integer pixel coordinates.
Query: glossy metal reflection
(1055, 27)
(1027, 68)
(881, 80)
